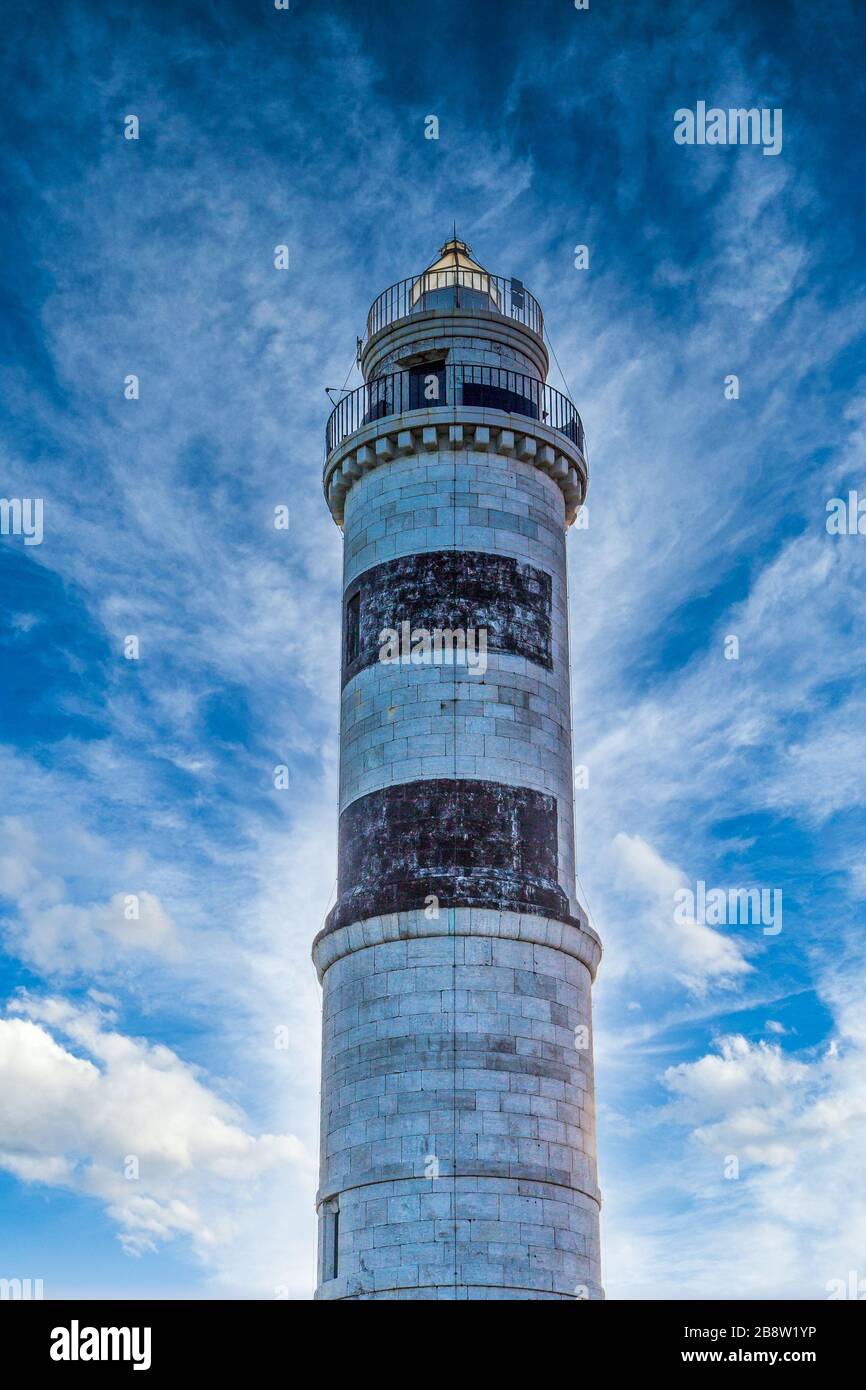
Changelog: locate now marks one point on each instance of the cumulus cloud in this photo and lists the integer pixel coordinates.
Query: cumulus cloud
(744, 1096)
(763, 1197)
(132, 1125)
(798, 1129)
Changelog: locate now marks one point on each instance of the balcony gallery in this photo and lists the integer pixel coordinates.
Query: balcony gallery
(433, 386)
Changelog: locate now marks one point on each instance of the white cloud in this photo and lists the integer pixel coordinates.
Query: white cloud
(695, 954)
(743, 1096)
(794, 1217)
(57, 937)
(79, 1100)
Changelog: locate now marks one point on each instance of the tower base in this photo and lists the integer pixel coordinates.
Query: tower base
(457, 1112)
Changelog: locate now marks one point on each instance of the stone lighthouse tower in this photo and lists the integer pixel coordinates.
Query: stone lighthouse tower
(457, 1131)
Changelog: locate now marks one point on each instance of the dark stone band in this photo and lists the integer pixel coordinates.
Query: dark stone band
(469, 843)
(450, 589)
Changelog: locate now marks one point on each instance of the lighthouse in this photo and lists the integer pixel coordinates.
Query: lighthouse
(457, 1101)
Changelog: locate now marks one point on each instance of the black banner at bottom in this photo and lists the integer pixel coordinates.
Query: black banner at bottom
(71, 1338)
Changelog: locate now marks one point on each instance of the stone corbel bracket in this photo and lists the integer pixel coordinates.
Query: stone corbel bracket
(426, 431)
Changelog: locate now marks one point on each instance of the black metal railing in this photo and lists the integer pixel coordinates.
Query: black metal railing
(454, 384)
(456, 289)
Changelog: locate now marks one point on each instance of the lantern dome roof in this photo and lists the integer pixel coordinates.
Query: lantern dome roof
(455, 269)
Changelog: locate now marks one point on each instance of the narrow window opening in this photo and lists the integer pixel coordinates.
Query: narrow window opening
(331, 1241)
(353, 628)
(335, 1253)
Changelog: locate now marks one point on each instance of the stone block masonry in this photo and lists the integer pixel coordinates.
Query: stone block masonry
(459, 1142)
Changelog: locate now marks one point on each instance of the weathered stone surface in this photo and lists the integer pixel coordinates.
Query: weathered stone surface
(465, 842)
(450, 589)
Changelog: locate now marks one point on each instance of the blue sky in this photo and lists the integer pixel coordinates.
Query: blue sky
(155, 1037)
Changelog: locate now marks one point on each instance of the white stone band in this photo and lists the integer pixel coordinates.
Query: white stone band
(581, 943)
